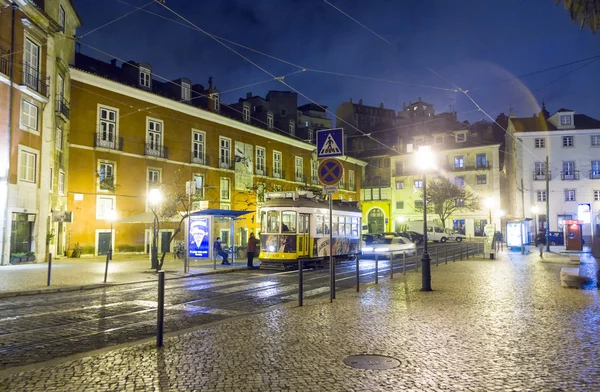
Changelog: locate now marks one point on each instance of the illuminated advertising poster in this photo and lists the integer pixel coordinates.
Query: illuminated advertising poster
(584, 212)
(513, 232)
(198, 235)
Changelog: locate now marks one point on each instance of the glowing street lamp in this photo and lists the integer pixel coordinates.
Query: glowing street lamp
(424, 160)
(154, 197)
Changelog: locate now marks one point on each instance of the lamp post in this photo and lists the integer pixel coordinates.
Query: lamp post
(155, 197)
(112, 215)
(424, 158)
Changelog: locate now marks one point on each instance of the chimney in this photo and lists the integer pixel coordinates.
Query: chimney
(381, 105)
(249, 95)
(350, 99)
(113, 62)
(360, 101)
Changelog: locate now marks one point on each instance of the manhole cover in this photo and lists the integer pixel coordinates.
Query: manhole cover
(371, 362)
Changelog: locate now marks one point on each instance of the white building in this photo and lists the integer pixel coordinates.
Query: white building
(572, 144)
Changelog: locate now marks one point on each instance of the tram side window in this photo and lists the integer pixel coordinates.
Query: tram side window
(334, 226)
(354, 227)
(263, 222)
(348, 227)
(326, 226)
(342, 227)
(273, 222)
(288, 222)
(319, 224)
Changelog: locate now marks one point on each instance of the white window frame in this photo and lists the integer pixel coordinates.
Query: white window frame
(28, 154)
(156, 172)
(418, 184)
(113, 169)
(299, 169)
(539, 168)
(186, 91)
(161, 133)
(595, 140)
(145, 77)
(225, 196)
(477, 179)
(351, 183)
(568, 141)
(568, 193)
(216, 98)
(292, 127)
(310, 134)
(101, 120)
(27, 117)
(541, 195)
(246, 113)
(461, 160)
(224, 152)
(62, 19)
(58, 138)
(199, 191)
(596, 195)
(36, 67)
(277, 164)
(460, 137)
(270, 120)
(539, 142)
(201, 142)
(566, 119)
(102, 212)
(61, 183)
(261, 160)
(314, 171)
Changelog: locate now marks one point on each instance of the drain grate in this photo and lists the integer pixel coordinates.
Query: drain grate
(371, 362)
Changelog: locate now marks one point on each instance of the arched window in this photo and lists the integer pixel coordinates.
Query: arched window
(376, 221)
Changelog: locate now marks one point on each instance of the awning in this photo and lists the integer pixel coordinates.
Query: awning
(220, 213)
(146, 217)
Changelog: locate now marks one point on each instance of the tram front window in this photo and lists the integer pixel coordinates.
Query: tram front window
(288, 222)
(272, 222)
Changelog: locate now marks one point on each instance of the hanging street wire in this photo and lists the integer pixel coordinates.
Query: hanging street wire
(117, 19)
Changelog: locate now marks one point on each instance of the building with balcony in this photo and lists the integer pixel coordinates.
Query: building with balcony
(572, 144)
(36, 48)
(132, 133)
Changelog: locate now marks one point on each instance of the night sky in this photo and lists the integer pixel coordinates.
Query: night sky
(470, 43)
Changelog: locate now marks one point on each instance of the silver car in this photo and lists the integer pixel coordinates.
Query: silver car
(388, 246)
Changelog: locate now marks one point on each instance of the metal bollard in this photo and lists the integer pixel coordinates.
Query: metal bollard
(160, 312)
(446, 255)
(215, 263)
(404, 263)
(417, 260)
(49, 268)
(392, 266)
(108, 257)
(454, 255)
(357, 273)
(436, 258)
(461, 252)
(300, 283)
(376, 269)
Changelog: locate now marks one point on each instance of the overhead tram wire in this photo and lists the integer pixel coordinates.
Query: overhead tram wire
(117, 19)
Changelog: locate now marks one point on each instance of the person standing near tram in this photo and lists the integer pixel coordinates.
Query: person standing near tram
(251, 250)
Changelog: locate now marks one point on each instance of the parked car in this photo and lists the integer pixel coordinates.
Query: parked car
(413, 236)
(558, 238)
(389, 245)
(454, 236)
(368, 239)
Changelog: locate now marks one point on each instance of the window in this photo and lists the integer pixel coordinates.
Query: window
(314, 167)
(399, 168)
(482, 179)
(29, 116)
(28, 166)
(145, 77)
(61, 183)
(58, 138)
(459, 162)
(277, 164)
(595, 140)
(106, 175)
(481, 161)
(217, 101)
(154, 176)
(540, 143)
(283, 112)
(569, 194)
(292, 128)
(540, 169)
(565, 120)
(459, 202)
(568, 168)
(104, 205)
(107, 127)
(154, 138)
(418, 204)
(199, 185)
(459, 181)
(299, 169)
(461, 137)
(351, 180)
(418, 183)
(224, 188)
(418, 141)
(541, 195)
(596, 195)
(186, 91)
(224, 152)
(198, 147)
(260, 160)
(438, 139)
(595, 169)
(310, 135)
(479, 226)
(288, 222)
(270, 120)
(400, 205)
(31, 69)
(567, 141)
(399, 184)
(246, 113)
(51, 180)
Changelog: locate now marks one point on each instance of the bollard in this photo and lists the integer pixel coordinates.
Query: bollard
(160, 312)
(300, 283)
(376, 269)
(392, 266)
(461, 251)
(108, 257)
(446, 255)
(417, 260)
(454, 255)
(436, 258)
(467, 251)
(357, 273)
(404, 263)
(215, 263)
(49, 268)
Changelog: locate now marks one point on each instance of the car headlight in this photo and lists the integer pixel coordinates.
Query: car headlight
(382, 249)
(367, 249)
(271, 248)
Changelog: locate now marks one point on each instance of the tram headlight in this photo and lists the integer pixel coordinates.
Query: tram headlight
(271, 248)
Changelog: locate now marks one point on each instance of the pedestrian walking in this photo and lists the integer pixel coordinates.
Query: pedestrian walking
(251, 250)
(540, 242)
(219, 250)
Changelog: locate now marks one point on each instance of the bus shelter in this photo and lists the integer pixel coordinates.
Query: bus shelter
(202, 228)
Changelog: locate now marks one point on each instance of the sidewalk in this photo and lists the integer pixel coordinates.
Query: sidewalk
(489, 325)
(70, 273)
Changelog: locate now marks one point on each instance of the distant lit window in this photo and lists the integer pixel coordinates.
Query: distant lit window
(399, 184)
(565, 120)
(186, 92)
(145, 77)
(569, 194)
(568, 141)
(270, 120)
(541, 195)
(246, 113)
(419, 184)
(540, 143)
(459, 162)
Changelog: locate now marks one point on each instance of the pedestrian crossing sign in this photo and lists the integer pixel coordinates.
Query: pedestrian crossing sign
(330, 143)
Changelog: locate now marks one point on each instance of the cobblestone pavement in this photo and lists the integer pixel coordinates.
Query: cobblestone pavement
(490, 325)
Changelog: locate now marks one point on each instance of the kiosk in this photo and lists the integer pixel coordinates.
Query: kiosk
(572, 231)
(517, 234)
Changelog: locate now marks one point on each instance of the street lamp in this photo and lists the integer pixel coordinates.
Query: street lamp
(424, 158)
(154, 197)
(112, 215)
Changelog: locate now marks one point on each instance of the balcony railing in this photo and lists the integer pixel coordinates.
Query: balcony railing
(485, 166)
(375, 182)
(300, 178)
(103, 141)
(279, 174)
(540, 175)
(595, 174)
(62, 107)
(4, 61)
(570, 175)
(226, 165)
(351, 187)
(156, 150)
(33, 78)
(199, 159)
(314, 181)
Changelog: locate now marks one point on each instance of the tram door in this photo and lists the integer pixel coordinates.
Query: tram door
(303, 235)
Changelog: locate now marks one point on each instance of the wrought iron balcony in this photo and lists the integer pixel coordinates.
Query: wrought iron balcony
(300, 178)
(229, 165)
(314, 181)
(4, 61)
(156, 150)
(199, 159)
(540, 175)
(595, 174)
(569, 175)
(263, 171)
(103, 140)
(375, 182)
(33, 78)
(62, 107)
(472, 167)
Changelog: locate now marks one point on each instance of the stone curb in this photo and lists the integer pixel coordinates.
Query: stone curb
(12, 294)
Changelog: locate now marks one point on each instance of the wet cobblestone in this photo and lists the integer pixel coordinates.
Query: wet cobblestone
(494, 325)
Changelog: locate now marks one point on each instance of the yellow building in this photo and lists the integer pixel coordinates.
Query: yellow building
(132, 133)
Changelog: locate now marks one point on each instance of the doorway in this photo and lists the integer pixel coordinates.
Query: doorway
(103, 243)
(376, 221)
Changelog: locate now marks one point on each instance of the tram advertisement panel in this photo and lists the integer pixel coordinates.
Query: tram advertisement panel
(341, 246)
(198, 235)
(278, 243)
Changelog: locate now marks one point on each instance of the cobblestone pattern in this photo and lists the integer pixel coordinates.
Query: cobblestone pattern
(502, 325)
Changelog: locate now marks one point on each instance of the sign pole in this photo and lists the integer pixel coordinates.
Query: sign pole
(331, 263)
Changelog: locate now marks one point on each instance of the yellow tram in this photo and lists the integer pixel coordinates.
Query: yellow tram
(295, 225)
